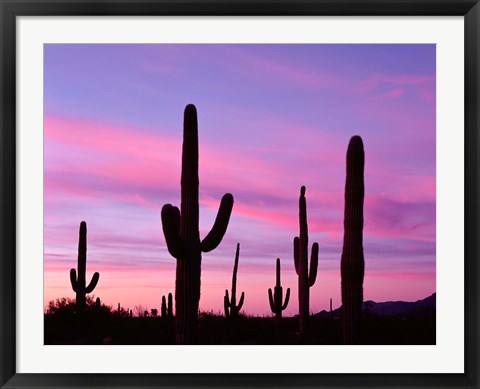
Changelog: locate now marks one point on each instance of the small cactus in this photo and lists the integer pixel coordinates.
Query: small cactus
(79, 281)
(353, 263)
(167, 310)
(277, 297)
(231, 307)
(181, 231)
(306, 279)
(98, 303)
(164, 307)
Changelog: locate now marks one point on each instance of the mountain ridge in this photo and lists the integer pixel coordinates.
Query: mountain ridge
(397, 309)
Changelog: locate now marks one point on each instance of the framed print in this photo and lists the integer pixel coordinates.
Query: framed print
(253, 194)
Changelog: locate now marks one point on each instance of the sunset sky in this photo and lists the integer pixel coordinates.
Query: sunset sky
(271, 119)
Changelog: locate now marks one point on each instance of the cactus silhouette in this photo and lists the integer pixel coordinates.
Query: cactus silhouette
(98, 303)
(353, 263)
(277, 297)
(181, 231)
(231, 307)
(167, 310)
(78, 281)
(170, 306)
(306, 279)
(164, 307)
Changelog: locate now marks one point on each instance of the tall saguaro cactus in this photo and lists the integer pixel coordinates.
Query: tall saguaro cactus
(79, 282)
(276, 300)
(306, 279)
(182, 235)
(353, 263)
(230, 306)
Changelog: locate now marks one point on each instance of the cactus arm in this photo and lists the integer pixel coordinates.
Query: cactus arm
(296, 251)
(313, 265)
(215, 236)
(93, 283)
(226, 304)
(287, 297)
(171, 230)
(270, 299)
(73, 279)
(240, 303)
(227, 298)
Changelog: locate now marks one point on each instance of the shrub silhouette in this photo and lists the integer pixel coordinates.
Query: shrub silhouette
(62, 306)
(181, 231)
(78, 282)
(306, 279)
(230, 306)
(276, 300)
(353, 263)
(66, 307)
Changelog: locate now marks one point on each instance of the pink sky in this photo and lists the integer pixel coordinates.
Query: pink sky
(271, 119)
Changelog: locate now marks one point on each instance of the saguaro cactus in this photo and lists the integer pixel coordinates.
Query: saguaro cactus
(353, 263)
(78, 282)
(170, 306)
(276, 300)
(231, 307)
(306, 279)
(164, 307)
(167, 310)
(181, 231)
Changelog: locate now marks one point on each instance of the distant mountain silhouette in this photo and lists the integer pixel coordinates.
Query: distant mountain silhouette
(397, 309)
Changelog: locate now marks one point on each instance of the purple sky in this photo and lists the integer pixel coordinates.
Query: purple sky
(271, 119)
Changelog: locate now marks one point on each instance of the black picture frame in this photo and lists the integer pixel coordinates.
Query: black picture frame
(10, 9)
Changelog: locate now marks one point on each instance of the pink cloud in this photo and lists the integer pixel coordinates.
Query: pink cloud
(382, 80)
(108, 138)
(394, 93)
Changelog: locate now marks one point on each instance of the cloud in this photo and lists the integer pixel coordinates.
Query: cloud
(387, 217)
(379, 81)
